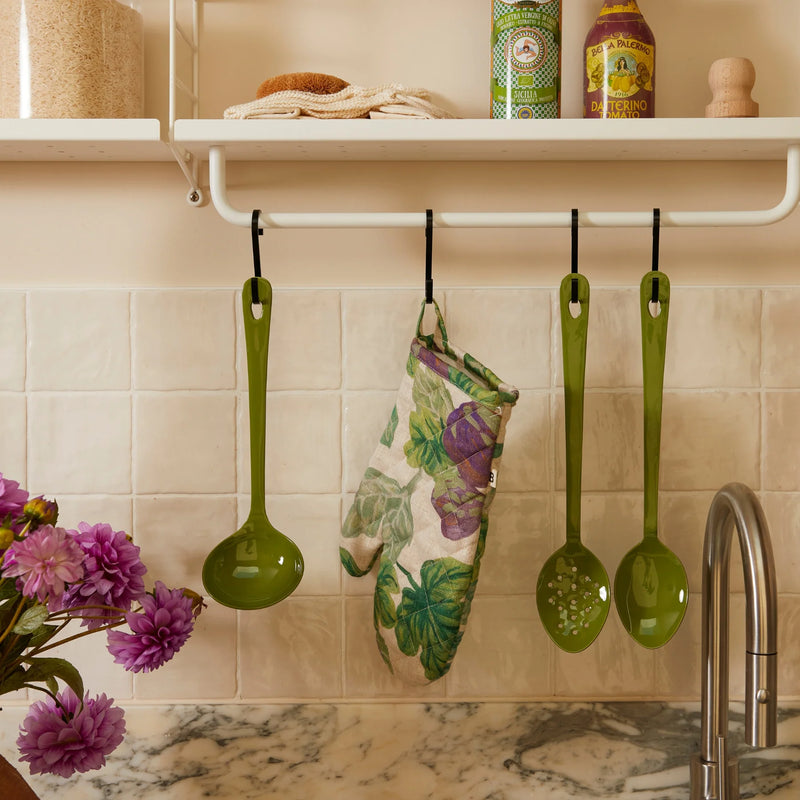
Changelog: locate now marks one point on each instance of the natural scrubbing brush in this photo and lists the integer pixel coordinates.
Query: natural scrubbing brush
(314, 82)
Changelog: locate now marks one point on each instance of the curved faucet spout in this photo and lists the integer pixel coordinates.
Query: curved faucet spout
(736, 506)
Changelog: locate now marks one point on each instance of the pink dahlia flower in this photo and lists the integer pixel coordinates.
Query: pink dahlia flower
(71, 737)
(43, 563)
(12, 498)
(160, 629)
(113, 574)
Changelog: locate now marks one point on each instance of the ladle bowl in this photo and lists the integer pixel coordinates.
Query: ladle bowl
(257, 566)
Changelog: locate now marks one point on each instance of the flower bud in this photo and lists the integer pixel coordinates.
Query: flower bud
(6, 538)
(40, 511)
(197, 601)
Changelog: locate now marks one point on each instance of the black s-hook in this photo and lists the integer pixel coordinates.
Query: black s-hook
(656, 241)
(255, 232)
(429, 256)
(574, 254)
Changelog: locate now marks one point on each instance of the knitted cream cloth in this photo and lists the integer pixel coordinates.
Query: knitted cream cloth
(351, 102)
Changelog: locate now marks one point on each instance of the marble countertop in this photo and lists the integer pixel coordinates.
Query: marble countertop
(436, 751)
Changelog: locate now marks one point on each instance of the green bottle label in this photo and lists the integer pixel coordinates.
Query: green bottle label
(526, 59)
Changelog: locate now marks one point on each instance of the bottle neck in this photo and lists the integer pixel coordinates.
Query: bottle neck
(617, 7)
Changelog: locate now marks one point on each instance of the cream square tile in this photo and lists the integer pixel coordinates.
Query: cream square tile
(613, 347)
(303, 443)
(176, 534)
(377, 332)
(203, 669)
(80, 443)
(612, 442)
(79, 340)
(312, 522)
(183, 339)
(781, 441)
(613, 667)
(366, 415)
(504, 652)
(788, 645)
(13, 437)
(115, 510)
(12, 341)
(366, 674)
(714, 338)
(292, 650)
(184, 442)
(781, 346)
(611, 524)
(682, 526)
(678, 667)
(90, 656)
(709, 439)
(508, 330)
(526, 464)
(518, 542)
(305, 341)
(783, 517)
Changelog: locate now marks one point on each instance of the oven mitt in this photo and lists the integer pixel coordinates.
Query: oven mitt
(422, 506)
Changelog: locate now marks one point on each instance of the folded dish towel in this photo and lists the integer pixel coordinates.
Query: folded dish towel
(352, 102)
(422, 506)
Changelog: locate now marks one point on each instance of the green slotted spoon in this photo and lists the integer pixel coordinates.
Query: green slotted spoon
(573, 594)
(257, 566)
(650, 587)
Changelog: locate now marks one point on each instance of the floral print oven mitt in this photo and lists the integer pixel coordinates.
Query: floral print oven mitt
(422, 506)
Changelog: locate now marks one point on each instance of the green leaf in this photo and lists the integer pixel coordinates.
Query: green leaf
(13, 682)
(350, 564)
(430, 392)
(468, 385)
(42, 635)
(412, 364)
(32, 619)
(383, 649)
(388, 435)
(429, 615)
(42, 670)
(8, 588)
(386, 588)
(381, 508)
(424, 447)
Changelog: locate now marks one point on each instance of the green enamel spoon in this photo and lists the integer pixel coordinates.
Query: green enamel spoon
(650, 587)
(573, 594)
(257, 566)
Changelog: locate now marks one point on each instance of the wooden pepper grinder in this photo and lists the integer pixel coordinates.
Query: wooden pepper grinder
(731, 80)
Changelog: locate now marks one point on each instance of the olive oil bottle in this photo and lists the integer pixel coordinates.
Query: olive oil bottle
(619, 64)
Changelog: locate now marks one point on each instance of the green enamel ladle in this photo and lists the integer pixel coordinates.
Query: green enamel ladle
(650, 587)
(257, 566)
(573, 594)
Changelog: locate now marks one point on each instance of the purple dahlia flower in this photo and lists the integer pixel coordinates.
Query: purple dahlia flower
(70, 737)
(113, 574)
(469, 441)
(160, 629)
(12, 498)
(44, 562)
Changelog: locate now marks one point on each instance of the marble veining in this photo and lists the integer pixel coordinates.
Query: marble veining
(436, 751)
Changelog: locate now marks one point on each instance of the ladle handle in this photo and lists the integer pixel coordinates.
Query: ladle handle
(256, 337)
(654, 348)
(573, 347)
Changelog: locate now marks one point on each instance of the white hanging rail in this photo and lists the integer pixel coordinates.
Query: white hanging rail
(532, 219)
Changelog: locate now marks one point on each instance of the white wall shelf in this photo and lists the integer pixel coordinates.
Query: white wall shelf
(82, 140)
(307, 139)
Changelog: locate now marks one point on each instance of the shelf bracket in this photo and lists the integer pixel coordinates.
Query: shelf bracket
(532, 219)
(177, 33)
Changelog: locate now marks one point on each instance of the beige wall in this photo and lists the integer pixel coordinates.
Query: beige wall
(124, 394)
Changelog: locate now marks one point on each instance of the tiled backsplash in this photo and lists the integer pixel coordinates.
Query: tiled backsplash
(130, 407)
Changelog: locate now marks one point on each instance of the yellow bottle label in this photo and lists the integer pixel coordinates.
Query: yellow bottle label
(620, 67)
(620, 8)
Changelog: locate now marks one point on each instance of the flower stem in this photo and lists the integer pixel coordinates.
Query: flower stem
(14, 619)
(118, 611)
(73, 638)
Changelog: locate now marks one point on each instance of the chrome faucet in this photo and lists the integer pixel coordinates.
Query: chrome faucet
(715, 776)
